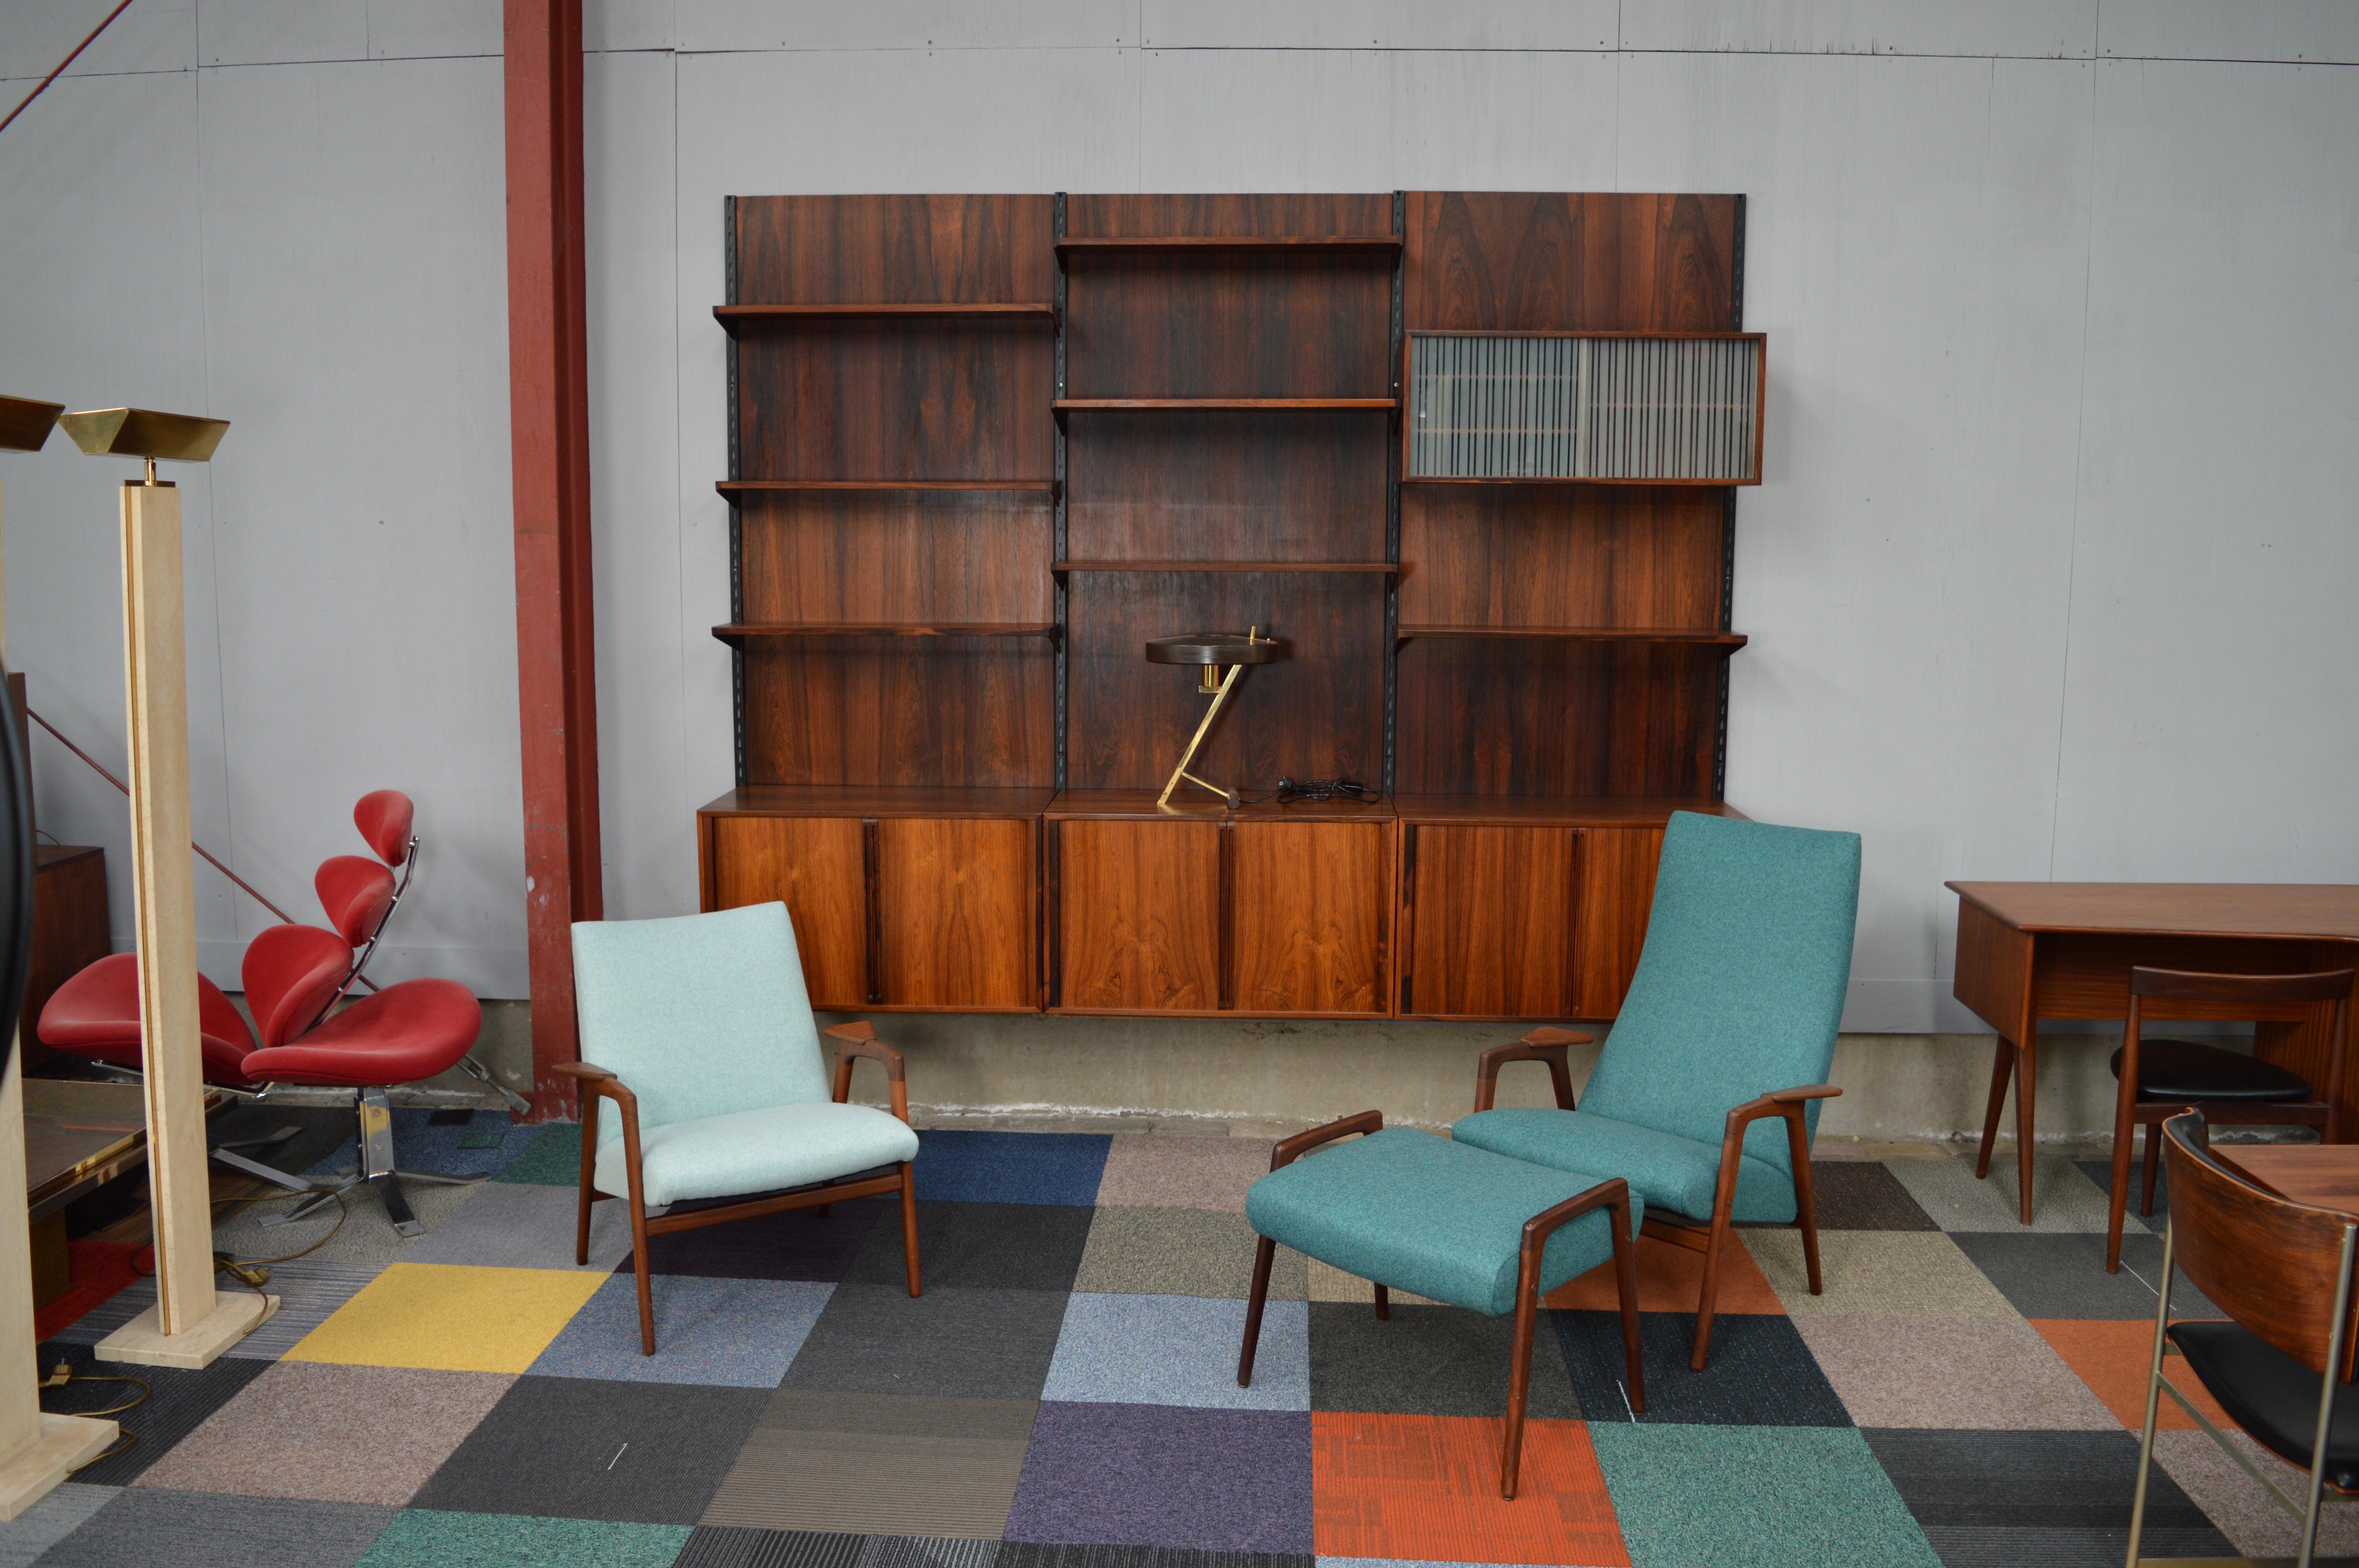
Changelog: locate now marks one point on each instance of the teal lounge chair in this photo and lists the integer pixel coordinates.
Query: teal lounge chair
(702, 1034)
(1729, 1027)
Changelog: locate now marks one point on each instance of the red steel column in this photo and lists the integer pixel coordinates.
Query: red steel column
(548, 436)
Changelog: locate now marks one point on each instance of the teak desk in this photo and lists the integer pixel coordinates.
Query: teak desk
(2322, 1176)
(2033, 950)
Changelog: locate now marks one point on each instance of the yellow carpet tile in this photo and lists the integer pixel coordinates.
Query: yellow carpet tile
(451, 1316)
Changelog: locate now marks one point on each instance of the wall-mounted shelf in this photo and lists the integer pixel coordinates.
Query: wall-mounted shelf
(1379, 568)
(1727, 642)
(1110, 405)
(733, 317)
(1333, 244)
(737, 635)
(753, 486)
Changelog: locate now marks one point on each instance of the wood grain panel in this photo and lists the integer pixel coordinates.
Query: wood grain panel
(1617, 894)
(934, 399)
(2085, 975)
(1539, 262)
(1139, 913)
(977, 711)
(1310, 904)
(2306, 1047)
(868, 250)
(961, 557)
(1231, 324)
(1556, 719)
(954, 901)
(1230, 215)
(1491, 922)
(1994, 970)
(71, 929)
(1304, 486)
(815, 865)
(1535, 555)
(1318, 712)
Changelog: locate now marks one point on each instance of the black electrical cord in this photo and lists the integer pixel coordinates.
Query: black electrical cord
(1312, 791)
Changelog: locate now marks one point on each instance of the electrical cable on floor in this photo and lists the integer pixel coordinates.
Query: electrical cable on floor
(63, 1374)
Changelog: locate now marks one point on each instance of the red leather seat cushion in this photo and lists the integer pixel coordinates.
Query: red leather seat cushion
(355, 891)
(384, 817)
(96, 1014)
(401, 1034)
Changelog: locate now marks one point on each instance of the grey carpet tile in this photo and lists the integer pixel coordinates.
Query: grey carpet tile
(307, 1291)
(2028, 1481)
(176, 1403)
(365, 1236)
(1864, 1194)
(821, 1464)
(800, 1244)
(1028, 1555)
(598, 1449)
(2062, 1197)
(1145, 1171)
(2065, 1275)
(515, 1225)
(1182, 1252)
(1760, 1373)
(980, 1245)
(1969, 1547)
(1958, 1374)
(49, 1521)
(157, 1528)
(1431, 1360)
(730, 1546)
(952, 1343)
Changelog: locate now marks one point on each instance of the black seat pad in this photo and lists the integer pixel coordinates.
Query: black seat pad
(2183, 1070)
(2272, 1396)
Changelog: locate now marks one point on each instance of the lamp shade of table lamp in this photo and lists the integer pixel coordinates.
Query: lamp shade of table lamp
(145, 432)
(1220, 657)
(26, 423)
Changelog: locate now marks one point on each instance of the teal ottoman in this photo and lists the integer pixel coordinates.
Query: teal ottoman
(1416, 1212)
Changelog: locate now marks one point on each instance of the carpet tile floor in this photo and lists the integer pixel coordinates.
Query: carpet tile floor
(1965, 1391)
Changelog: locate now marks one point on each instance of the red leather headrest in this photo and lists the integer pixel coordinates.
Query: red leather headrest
(290, 971)
(383, 818)
(355, 891)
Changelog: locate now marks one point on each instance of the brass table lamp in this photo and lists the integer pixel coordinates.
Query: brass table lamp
(1220, 657)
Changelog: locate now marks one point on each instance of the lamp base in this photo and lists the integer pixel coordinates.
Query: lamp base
(143, 1343)
(64, 1444)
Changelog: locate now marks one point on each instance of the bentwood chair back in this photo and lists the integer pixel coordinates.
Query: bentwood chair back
(2282, 1273)
(2159, 1078)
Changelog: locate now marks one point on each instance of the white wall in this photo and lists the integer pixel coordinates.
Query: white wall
(2053, 573)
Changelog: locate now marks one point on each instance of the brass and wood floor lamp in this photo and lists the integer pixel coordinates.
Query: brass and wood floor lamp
(37, 1450)
(190, 1323)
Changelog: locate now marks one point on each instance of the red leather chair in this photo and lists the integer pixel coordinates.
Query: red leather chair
(294, 974)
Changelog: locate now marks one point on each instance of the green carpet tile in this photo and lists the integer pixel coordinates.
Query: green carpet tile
(1063, 1394)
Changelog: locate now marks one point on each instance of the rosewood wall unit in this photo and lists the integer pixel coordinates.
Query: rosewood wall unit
(1471, 457)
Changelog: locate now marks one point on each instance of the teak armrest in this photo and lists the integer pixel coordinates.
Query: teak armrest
(584, 1071)
(1545, 1044)
(1292, 1149)
(857, 1039)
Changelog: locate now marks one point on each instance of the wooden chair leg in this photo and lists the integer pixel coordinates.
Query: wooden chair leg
(639, 1265)
(1263, 1255)
(2002, 1067)
(1625, 1286)
(1806, 1203)
(909, 1223)
(2153, 1167)
(581, 1231)
(824, 1210)
(2117, 1191)
(1384, 1304)
(589, 1172)
(1519, 1374)
(1709, 1297)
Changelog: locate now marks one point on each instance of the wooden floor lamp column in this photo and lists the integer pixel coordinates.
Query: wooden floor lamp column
(190, 1323)
(37, 1451)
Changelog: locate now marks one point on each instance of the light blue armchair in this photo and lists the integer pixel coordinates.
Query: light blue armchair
(1728, 1029)
(704, 1038)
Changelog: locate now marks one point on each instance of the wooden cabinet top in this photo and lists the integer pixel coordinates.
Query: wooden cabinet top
(854, 800)
(47, 855)
(2184, 908)
(1138, 805)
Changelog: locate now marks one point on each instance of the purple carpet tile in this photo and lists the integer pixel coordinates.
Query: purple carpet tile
(1167, 1475)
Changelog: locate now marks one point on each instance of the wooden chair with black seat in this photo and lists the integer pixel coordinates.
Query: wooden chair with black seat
(2159, 1078)
(704, 1040)
(2280, 1363)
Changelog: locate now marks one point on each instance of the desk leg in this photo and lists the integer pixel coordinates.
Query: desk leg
(2027, 1083)
(2002, 1068)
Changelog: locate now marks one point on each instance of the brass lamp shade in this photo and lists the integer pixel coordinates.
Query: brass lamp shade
(26, 422)
(143, 433)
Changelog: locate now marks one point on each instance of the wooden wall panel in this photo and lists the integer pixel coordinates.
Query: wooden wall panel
(1491, 922)
(1618, 894)
(1556, 719)
(1318, 712)
(1550, 261)
(896, 400)
(1231, 215)
(1537, 556)
(1307, 486)
(1232, 325)
(955, 903)
(1139, 914)
(864, 250)
(816, 866)
(1309, 902)
(975, 711)
(960, 557)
